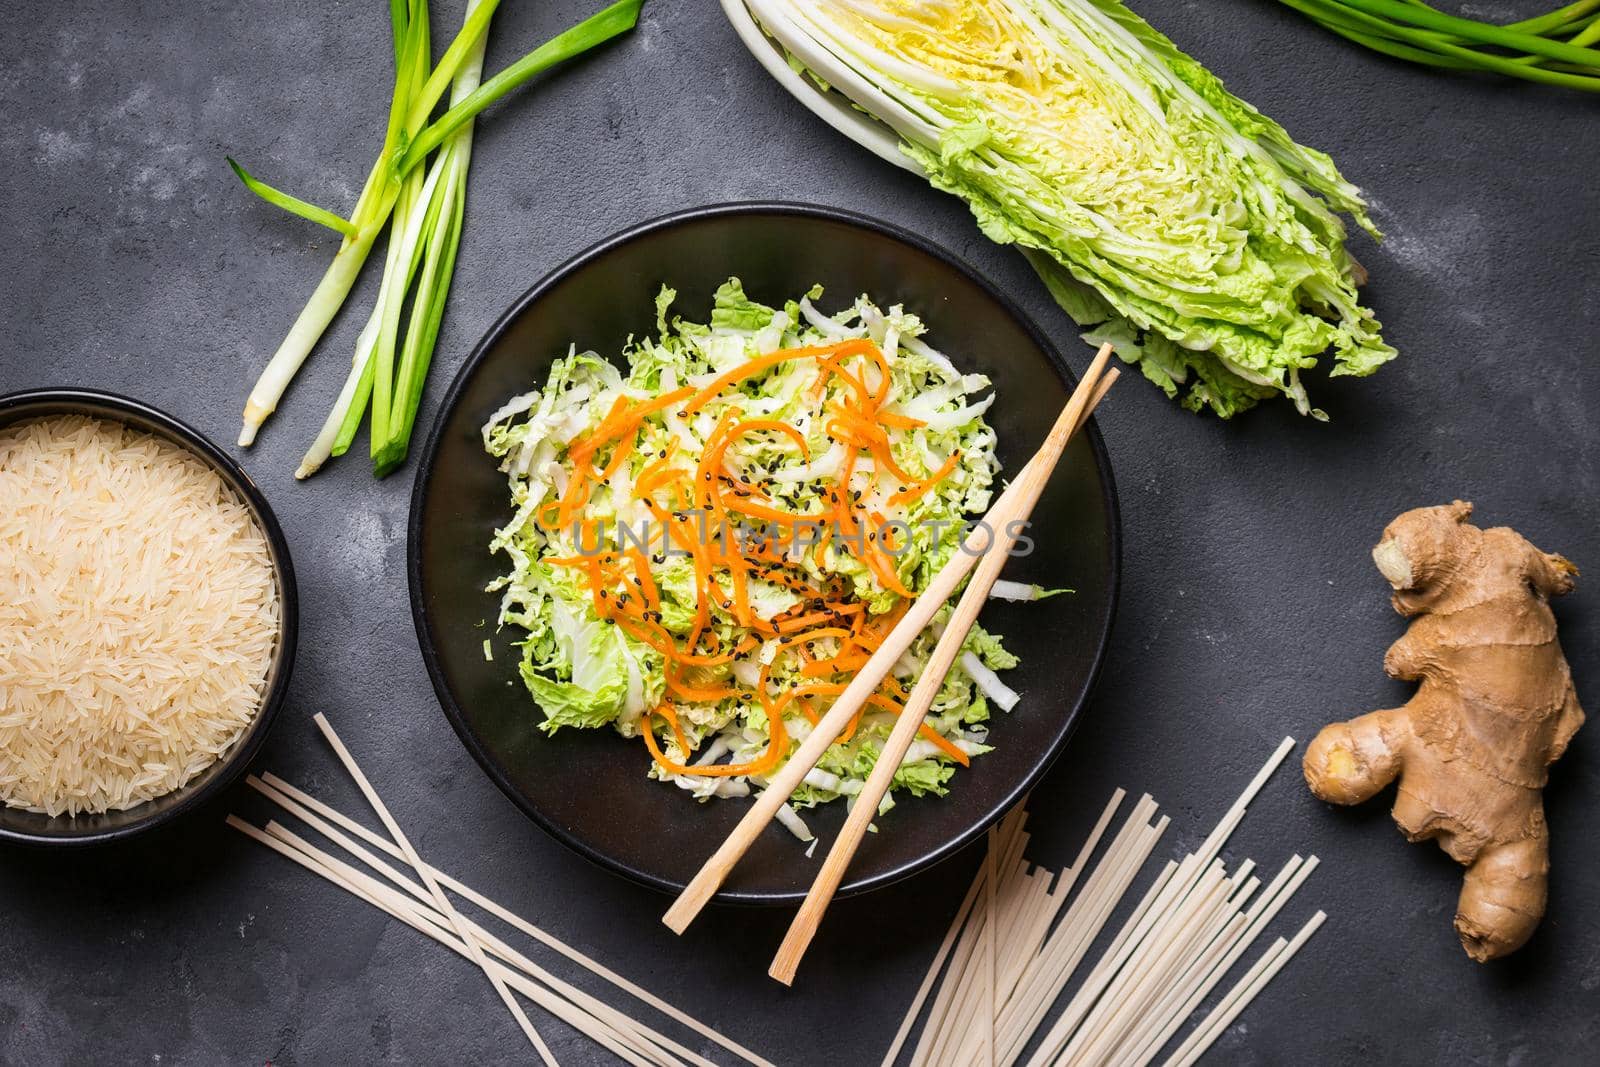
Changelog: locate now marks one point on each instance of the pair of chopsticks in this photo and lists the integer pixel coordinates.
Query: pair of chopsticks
(986, 558)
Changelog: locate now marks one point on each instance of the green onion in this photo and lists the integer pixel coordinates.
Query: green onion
(293, 205)
(597, 29)
(375, 347)
(1554, 48)
(427, 310)
(422, 207)
(445, 205)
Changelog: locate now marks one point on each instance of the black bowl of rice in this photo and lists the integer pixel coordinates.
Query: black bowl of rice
(147, 618)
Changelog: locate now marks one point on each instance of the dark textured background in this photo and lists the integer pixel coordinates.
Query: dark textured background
(1251, 610)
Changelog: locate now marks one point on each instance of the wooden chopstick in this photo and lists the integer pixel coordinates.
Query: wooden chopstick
(440, 901)
(973, 598)
(715, 870)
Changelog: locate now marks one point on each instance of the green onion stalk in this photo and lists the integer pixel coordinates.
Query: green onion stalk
(1556, 48)
(427, 206)
(419, 210)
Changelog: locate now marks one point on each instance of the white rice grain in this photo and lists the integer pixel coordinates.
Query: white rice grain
(138, 616)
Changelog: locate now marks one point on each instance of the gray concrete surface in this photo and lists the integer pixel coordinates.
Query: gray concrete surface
(134, 262)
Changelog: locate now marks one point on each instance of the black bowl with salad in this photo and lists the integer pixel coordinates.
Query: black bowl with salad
(684, 485)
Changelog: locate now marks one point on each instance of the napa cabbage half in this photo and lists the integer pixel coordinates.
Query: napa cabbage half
(1173, 218)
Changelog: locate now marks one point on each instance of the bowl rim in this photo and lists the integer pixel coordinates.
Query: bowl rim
(98, 403)
(520, 306)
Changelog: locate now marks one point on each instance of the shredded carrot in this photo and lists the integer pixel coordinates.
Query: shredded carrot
(743, 371)
(584, 447)
(896, 421)
(619, 454)
(874, 354)
(657, 475)
(695, 693)
(657, 637)
(912, 492)
(777, 748)
(831, 689)
(669, 713)
(880, 452)
(761, 363)
(573, 500)
(830, 367)
(647, 584)
(753, 425)
(650, 475)
(789, 626)
(837, 665)
(621, 419)
(542, 509)
(944, 745)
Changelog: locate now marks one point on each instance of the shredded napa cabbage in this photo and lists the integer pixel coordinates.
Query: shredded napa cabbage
(584, 670)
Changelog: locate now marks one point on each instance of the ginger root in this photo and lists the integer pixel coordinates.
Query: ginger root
(1494, 707)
